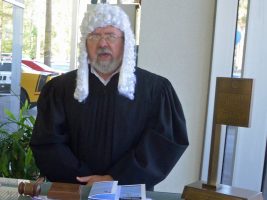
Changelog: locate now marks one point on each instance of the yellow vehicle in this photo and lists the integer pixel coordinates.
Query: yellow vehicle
(32, 82)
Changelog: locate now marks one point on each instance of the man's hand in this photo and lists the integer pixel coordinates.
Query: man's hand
(89, 180)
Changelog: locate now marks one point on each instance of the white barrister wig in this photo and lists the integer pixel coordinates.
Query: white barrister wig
(103, 15)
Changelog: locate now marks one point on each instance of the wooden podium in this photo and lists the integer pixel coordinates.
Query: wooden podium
(64, 191)
(232, 107)
(196, 191)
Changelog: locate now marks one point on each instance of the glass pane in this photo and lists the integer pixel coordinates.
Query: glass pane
(6, 37)
(231, 131)
(34, 32)
(240, 38)
(34, 72)
(229, 151)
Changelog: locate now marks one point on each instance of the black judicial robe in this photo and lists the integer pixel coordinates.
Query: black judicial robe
(134, 141)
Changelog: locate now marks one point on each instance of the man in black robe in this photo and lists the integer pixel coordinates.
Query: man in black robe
(108, 120)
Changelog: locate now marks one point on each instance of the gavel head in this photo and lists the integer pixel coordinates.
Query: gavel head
(31, 189)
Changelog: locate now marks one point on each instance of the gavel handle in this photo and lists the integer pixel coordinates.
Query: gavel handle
(40, 180)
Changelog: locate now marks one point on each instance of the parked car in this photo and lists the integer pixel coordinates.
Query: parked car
(32, 82)
(5, 82)
(5, 78)
(6, 57)
(36, 65)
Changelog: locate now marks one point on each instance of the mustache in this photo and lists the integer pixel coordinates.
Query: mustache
(103, 50)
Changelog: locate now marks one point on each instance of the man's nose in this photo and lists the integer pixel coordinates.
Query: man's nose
(102, 42)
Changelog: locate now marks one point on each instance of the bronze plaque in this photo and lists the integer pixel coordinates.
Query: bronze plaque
(233, 101)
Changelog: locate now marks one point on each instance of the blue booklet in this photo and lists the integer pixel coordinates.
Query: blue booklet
(132, 192)
(110, 190)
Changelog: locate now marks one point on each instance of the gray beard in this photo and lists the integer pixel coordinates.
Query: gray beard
(106, 67)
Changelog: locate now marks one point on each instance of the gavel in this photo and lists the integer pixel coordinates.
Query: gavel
(30, 189)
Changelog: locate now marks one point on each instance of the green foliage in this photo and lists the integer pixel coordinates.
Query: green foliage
(7, 45)
(29, 39)
(34, 18)
(16, 158)
(6, 27)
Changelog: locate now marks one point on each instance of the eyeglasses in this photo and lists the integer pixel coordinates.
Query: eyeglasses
(111, 38)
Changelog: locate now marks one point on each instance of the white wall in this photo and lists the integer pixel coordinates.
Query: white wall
(251, 142)
(176, 41)
(222, 58)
